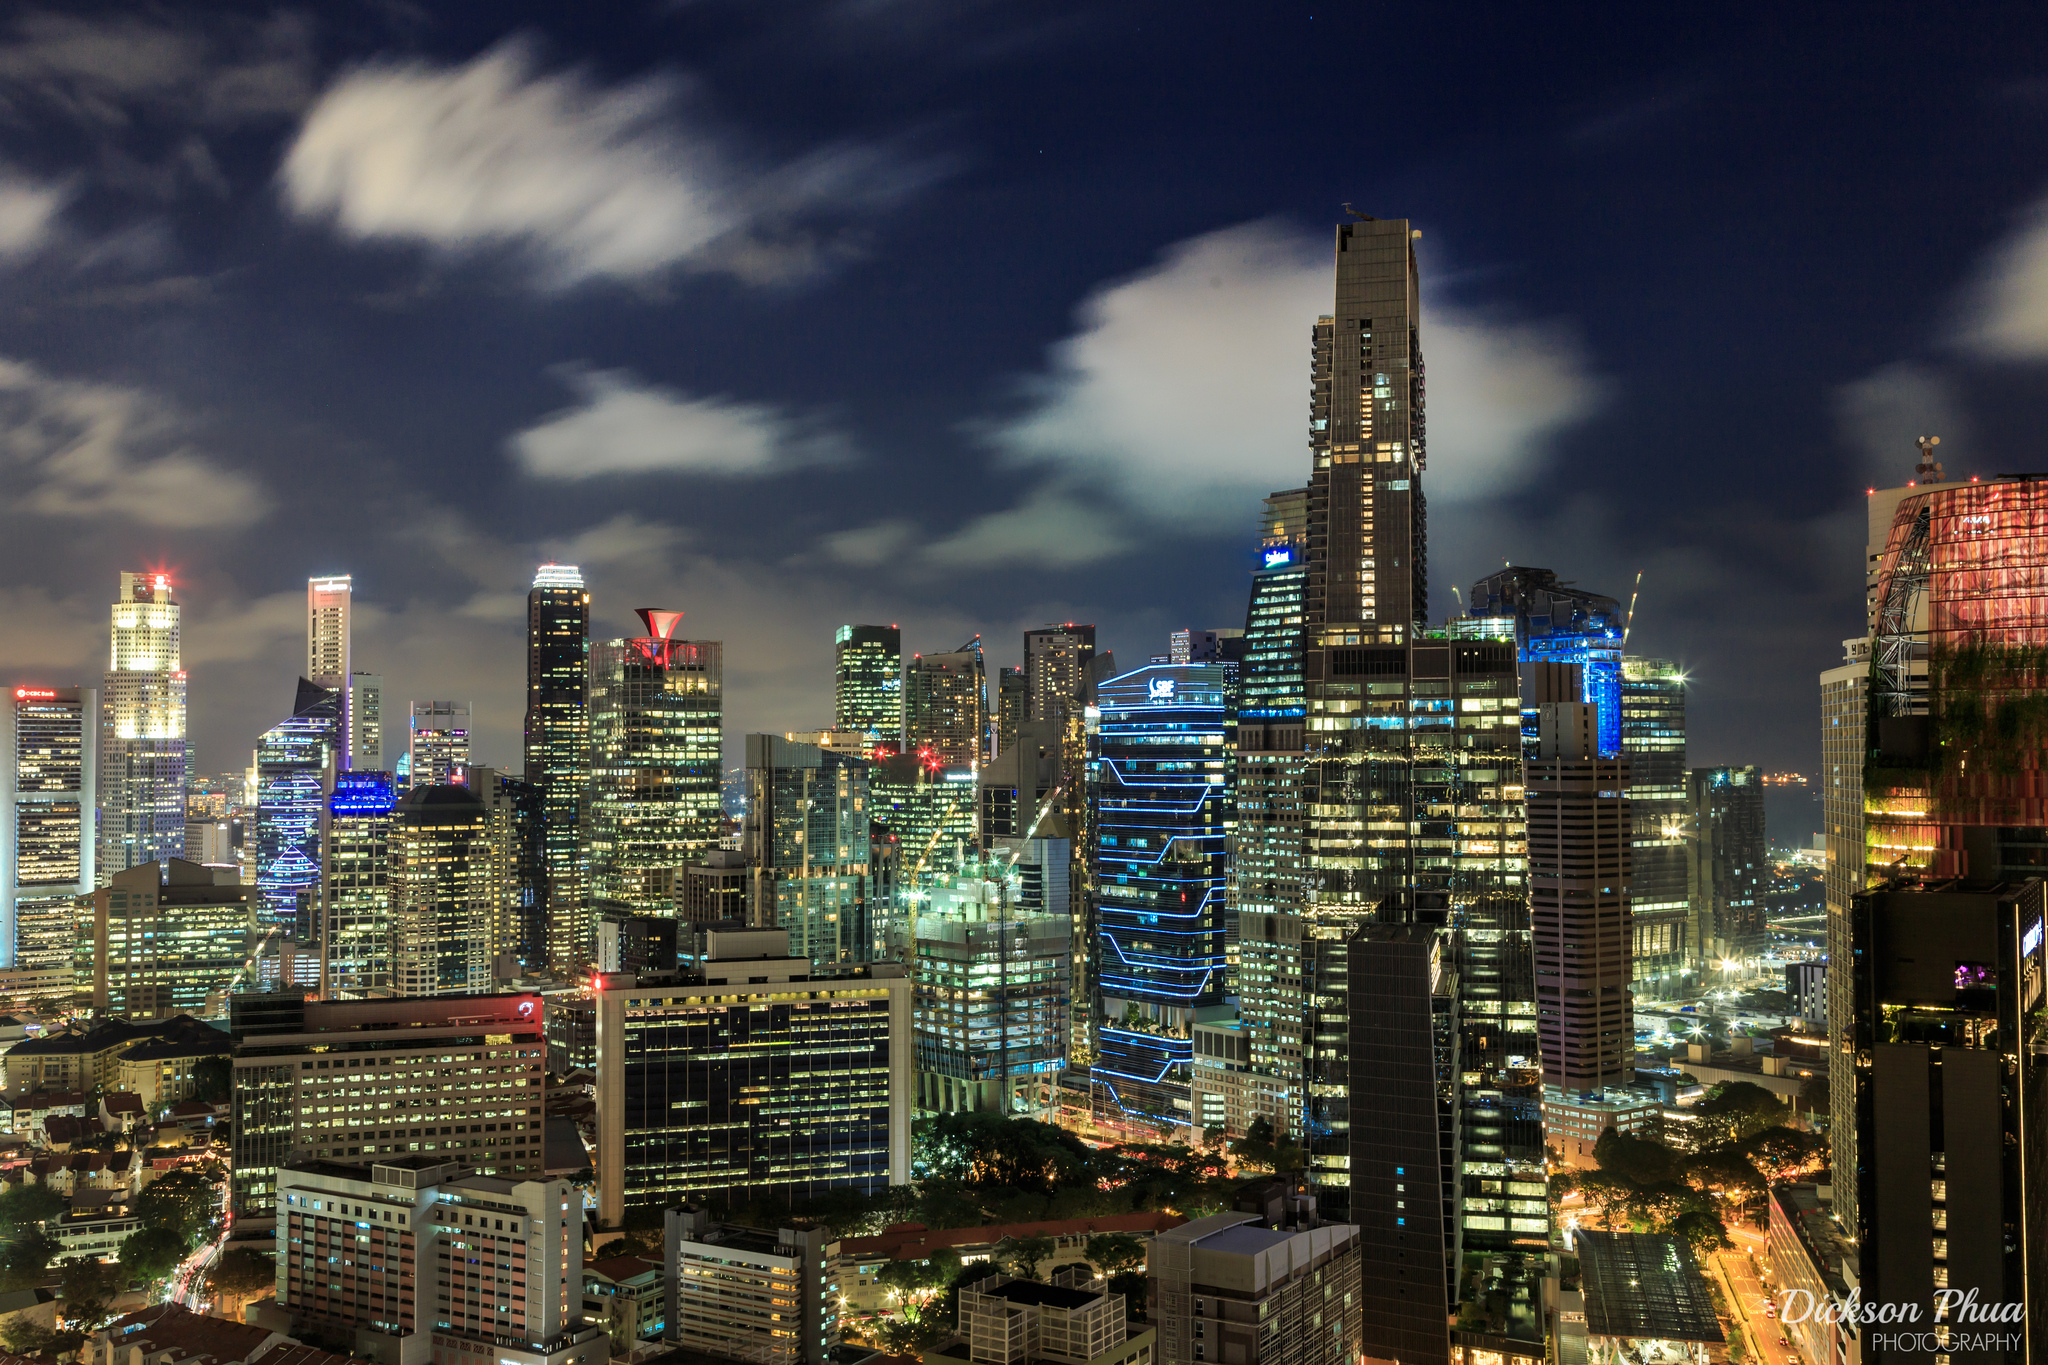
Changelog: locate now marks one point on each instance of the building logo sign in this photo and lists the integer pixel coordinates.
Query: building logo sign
(1162, 689)
(1275, 558)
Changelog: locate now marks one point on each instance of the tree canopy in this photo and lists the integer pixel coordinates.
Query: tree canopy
(1736, 1110)
(87, 1289)
(1115, 1253)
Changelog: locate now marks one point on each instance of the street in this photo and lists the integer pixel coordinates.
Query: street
(1748, 1295)
(187, 1286)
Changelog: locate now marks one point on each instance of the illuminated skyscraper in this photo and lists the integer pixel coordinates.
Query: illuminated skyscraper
(1164, 798)
(1559, 624)
(806, 837)
(446, 893)
(1729, 865)
(439, 743)
(1268, 839)
(142, 732)
(293, 758)
(330, 662)
(867, 691)
(1013, 706)
(558, 749)
(1055, 668)
(1653, 738)
(49, 769)
(656, 730)
(945, 706)
(355, 885)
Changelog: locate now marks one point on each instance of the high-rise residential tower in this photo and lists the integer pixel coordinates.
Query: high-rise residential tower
(49, 781)
(439, 743)
(945, 706)
(142, 731)
(656, 730)
(558, 747)
(1055, 664)
(293, 760)
(1653, 738)
(867, 685)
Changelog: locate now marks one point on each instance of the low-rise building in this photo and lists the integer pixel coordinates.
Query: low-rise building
(165, 1071)
(1273, 1287)
(750, 1294)
(38, 1306)
(1813, 1267)
(167, 1334)
(1645, 1299)
(1006, 1321)
(857, 1266)
(624, 1295)
(94, 1225)
(1574, 1124)
(414, 1260)
(122, 1111)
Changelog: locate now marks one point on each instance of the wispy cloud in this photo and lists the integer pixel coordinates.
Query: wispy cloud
(586, 180)
(97, 450)
(2005, 310)
(218, 69)
(1185, 387)
(626, 426)
(1881, 414)
(28, 214)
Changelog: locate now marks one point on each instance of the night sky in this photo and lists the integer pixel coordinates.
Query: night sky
(974, 316)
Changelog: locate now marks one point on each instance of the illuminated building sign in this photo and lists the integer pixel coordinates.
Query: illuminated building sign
(1161, 690)
(362, 794)
(1281, 555)
(37, 693)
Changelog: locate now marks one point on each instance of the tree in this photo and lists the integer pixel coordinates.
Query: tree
(1781, 1153)
(213, 1078)
(917, 1283)
(152, 1253)
(1663, 1204)
(1643, 1160)
(1115, 1253)
(25, 1262)
(1132, 1285)
(241, 1274)
(1703, 1230)
(181, 1202)
(26, 1337)
(1608, 1191)
(25, 1205)
(1023, 1255)
(87, 1289)
(989, 1150)
(1740, 1109)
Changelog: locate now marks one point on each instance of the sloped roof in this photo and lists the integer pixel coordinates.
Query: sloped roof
(621, 1268)
(170, 1327)
(915, 1242)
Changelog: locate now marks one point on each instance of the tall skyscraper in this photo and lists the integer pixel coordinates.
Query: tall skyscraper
(1268, 865)
(1558, 624)
(1055, 663)
(515, 817)
(439, 743)
(945, 706)
(293, 760)
(1653, 738)
(142, 731)
(806, 837)
(355, 885)
(558, 749)
(447, 893)
(330, 662)
(1728, 866)
(1163, 806)
(1013, 707)
(867, 689)
(1946, 1073)
(49, 787)
(656, 730)
(165, 939)
(1579, 866)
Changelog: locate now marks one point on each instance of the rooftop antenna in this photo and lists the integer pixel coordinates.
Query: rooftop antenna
(1929, 468)
(1631, 608)
(1361, 217)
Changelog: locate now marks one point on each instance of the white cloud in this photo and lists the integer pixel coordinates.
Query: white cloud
(1050, 529)
(592, 181)
(28, 214)
(626, 426)
(1881, 414)
(96, 450)
(2006, 309)
(869, 547)
(623, 540)
(1187, 386)
(221, 69)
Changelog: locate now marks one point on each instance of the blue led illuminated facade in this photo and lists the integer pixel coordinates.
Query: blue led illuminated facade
(1274, 631)
(1164, 780)
(291, 759)
(1557, 623)
(355, 883)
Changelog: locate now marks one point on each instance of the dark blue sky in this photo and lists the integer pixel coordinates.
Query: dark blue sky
(972, 316)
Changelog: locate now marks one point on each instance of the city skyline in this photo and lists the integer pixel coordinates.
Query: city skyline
(660, 412)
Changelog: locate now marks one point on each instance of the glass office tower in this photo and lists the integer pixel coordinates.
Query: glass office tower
(292, 758)
(1164, 778)
(49, 771)
(1653, 738)
(142, 731)
(867, 690)
(557, 752)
